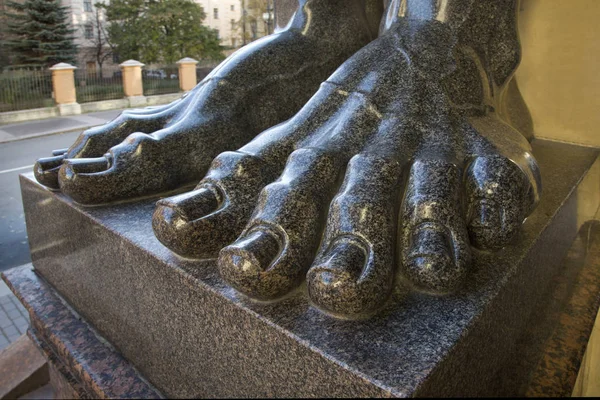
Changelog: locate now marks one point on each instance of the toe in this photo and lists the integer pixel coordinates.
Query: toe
(200, 223)
(126, 171)
(182, 223)
(46, 170)
(434, 243)
(59, 152)
(246, 264)
(292, 211)
(353, 273)
(500, 198)
(429, 259)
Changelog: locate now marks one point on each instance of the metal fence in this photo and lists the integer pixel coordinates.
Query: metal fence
(26, 88)
(160, 80)
(98, 84)
(204, 67)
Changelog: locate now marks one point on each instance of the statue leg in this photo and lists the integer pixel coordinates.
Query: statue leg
(403, 159)
(265, 83)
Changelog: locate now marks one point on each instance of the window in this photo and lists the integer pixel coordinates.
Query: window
(89, 31)
(90, 67)
(233, 7)
(87, 5)
(218, 34)
(215, 13)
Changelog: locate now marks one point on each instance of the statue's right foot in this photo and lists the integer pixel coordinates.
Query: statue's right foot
(380, 171)
(152, 151)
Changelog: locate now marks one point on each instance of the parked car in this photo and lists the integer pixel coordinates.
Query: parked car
(155, 73)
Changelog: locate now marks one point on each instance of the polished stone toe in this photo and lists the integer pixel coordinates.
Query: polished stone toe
(435, 246)
(88, 165)
(191, 224)
(246, 265)
(46, 170)
(59, 152)
(430, 264)
(336, 283)
(500, 195)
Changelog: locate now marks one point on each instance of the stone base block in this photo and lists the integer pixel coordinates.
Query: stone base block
(81, 365)
(137, 101)
(191, 335)
(69, 109)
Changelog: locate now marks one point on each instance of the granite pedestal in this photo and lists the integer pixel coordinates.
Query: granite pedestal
(190, 335)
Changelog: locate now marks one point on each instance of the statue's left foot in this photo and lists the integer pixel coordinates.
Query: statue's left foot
(150, 152)
(377, 171)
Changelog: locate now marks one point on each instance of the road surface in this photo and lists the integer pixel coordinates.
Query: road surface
(16, 158)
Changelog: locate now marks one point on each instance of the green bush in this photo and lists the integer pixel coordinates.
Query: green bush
(99, 92)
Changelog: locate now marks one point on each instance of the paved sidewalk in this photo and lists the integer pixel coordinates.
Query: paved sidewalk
(14, 319)
(42, 127)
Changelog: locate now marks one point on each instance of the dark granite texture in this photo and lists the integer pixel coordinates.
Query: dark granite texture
(101, 371)
(266, 82)
(192, 335)
(404, 158)
(564, 336)
(63, 382)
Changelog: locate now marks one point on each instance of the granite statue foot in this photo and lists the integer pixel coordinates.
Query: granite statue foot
(96, 141)
(152, 151)
(400, 161)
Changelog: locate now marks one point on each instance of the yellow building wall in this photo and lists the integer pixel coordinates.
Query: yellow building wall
(559, 74)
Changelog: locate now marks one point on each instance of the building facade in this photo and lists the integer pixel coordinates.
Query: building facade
(224, 16)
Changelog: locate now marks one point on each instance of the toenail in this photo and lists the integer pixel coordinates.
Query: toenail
(430, 263)
(430, 240)
(255, 252)
(88, 165)
(193, 205)
(343, 260)
(48, 163)
(59, 152)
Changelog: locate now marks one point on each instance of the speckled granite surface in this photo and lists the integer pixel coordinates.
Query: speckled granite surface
(191, 335)
(572, 309)
(93, 368)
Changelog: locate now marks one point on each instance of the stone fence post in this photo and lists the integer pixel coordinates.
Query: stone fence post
(63, 86)
(132, 82)
(187, 73)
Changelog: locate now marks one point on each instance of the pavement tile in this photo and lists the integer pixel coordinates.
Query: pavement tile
(14, 337)
(4, 290)
(18, 322)
(5, 299)
(10, 331)
(23, 328)
(14, 313)
(5, 321)
(9, 306)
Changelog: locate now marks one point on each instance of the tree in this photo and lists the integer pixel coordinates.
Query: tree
(39, 33)
(160, 30)
(100, 48)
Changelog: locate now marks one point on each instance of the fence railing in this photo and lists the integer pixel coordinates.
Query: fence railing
(29, 87)
(99, 84)
(160, 80)
(25, 89)
(203, 68)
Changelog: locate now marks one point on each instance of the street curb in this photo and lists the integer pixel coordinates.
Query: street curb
(37, 135)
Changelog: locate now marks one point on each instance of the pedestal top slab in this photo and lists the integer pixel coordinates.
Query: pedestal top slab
(192, 335)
